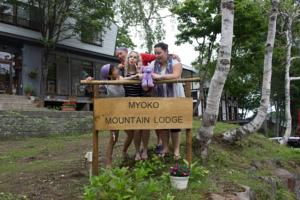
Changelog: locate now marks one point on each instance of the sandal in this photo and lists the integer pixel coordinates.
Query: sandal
(144, 155)
(137, 157)
(177, 157)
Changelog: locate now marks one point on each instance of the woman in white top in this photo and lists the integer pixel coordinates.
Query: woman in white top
(165, 67)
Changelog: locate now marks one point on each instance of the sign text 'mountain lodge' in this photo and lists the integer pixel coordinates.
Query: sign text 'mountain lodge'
(143, 113)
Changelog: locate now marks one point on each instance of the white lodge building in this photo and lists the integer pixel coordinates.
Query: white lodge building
(21, 56)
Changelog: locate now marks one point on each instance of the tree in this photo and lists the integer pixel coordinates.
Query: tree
(145, 17)
(123, 39)
(218, 80)
(199, 24)
(255, 124)
(64, 19)
(290, 12)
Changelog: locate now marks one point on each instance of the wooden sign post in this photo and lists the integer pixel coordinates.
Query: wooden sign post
(137, 113)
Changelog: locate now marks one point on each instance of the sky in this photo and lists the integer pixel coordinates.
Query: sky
(186, 51)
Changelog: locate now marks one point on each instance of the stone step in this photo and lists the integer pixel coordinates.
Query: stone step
(8, 106)
(14, 99)
(14, 102)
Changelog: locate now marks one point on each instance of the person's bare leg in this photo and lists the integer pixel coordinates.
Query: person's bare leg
(176, 144)
(127, 142)
(145, 140)
(159, 140)
(137, 144)
(165, 141)
(109, 149)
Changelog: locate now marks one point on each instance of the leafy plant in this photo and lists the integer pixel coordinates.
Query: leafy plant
(179, 171)
(69, 104)
(142, 183)
(33, 73)
(28, 89)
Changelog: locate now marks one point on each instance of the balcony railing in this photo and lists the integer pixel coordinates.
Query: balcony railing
(14, 19)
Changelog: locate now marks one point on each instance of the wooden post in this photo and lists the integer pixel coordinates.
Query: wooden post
(95, 161)
(187, 90)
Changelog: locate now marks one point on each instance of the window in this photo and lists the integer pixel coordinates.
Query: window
(91, 36)
(35, 18)
(6, 12)
(51, 78)
(79, 70)
(20, 14)
(23, 16)
(62, 75)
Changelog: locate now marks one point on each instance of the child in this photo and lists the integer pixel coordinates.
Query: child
(110, 72)
(132, 68)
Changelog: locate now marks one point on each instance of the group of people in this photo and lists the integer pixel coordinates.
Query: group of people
(165, 66)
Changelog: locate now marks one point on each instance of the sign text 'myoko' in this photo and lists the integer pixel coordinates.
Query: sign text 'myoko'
(143, 113)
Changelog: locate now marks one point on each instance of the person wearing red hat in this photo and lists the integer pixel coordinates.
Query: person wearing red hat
(121, 53)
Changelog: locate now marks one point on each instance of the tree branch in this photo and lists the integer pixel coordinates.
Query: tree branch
(295, 57)
(295, 78)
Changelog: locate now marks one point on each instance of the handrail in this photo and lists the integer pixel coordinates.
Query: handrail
(129, 82)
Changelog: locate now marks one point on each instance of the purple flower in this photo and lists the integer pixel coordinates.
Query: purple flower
(179, 171)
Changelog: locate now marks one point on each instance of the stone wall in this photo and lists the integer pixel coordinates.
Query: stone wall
(43, 123)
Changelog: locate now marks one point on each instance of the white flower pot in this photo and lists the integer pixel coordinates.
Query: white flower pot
(179, 183)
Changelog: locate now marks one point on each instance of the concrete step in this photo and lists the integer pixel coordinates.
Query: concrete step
(14, 102)
(4, 106)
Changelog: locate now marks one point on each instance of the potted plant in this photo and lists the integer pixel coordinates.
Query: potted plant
(179, 176)
(69, 106)
(28, 90)
(33, 73)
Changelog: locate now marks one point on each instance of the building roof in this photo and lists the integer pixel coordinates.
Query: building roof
(189, 68)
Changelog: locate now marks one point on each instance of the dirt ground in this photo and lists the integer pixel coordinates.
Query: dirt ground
(48, 168)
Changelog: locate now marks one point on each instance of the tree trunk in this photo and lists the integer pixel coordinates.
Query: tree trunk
(255, 124)
(288, 118)
(44, 74)
(277, 125)
(218, 80)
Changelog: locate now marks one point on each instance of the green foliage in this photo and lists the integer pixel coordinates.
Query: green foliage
(144, 16)
(121, 183)
(123, 39)
(147, 180)
(28, 90)
(9, 196)
(93, 17)
(33, 73)
(200, 23)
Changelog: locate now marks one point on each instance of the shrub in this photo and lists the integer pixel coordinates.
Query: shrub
(142, 183)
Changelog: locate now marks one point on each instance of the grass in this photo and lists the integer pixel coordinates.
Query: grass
(229, 166)
(34, 154)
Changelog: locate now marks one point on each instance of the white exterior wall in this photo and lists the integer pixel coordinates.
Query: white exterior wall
(19, 31)
(108, 47)
(108, 44)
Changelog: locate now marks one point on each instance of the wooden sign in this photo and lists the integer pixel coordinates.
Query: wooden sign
(134, 113)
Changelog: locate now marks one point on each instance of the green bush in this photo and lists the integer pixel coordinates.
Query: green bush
(141, 183)
(146, 181)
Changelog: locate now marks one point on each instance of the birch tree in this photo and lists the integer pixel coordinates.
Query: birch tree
(255, 124)
(218, 80)
(290, 15)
